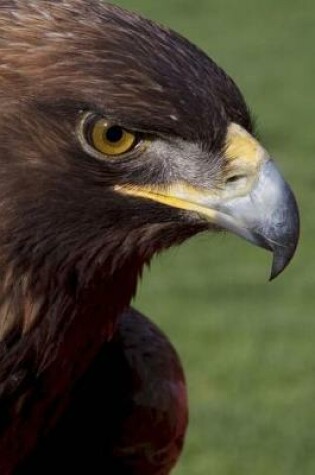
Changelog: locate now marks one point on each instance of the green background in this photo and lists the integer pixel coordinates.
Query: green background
(247, 345)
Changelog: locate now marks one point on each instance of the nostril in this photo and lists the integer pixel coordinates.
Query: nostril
(236, 178)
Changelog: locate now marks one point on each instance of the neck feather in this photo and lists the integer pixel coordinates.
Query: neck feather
(49, 339)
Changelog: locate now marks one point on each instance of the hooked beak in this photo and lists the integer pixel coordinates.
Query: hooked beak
(255, 202)
(267, 216)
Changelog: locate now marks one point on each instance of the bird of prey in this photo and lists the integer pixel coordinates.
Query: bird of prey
(118, 139)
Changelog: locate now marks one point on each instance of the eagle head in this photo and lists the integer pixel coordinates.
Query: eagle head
(120, 138)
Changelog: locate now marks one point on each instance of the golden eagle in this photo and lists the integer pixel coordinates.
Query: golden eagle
(119, 139)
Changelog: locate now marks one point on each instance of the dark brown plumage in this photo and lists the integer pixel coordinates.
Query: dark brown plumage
(72, 245)
(66, 271)
(128, 414)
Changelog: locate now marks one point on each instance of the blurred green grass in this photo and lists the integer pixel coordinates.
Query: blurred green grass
(247, 345)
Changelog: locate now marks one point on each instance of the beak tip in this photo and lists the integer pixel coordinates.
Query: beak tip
(281, 259)
(274, 273)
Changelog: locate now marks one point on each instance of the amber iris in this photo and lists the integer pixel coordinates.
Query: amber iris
(110, 139)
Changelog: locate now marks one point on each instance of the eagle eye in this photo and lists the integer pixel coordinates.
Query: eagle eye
(106, 137)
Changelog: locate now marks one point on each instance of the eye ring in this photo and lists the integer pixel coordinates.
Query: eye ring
(103, 138)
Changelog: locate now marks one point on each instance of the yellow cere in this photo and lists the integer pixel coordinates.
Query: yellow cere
(110, 139)
(240, 144)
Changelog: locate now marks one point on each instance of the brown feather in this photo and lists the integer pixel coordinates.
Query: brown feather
(71, 249)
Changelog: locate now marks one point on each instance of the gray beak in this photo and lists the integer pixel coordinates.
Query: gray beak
(268, 216)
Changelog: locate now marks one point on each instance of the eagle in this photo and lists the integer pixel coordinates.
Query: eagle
(118, 139)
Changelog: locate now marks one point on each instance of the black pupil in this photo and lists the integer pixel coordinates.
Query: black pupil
(114, 134)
